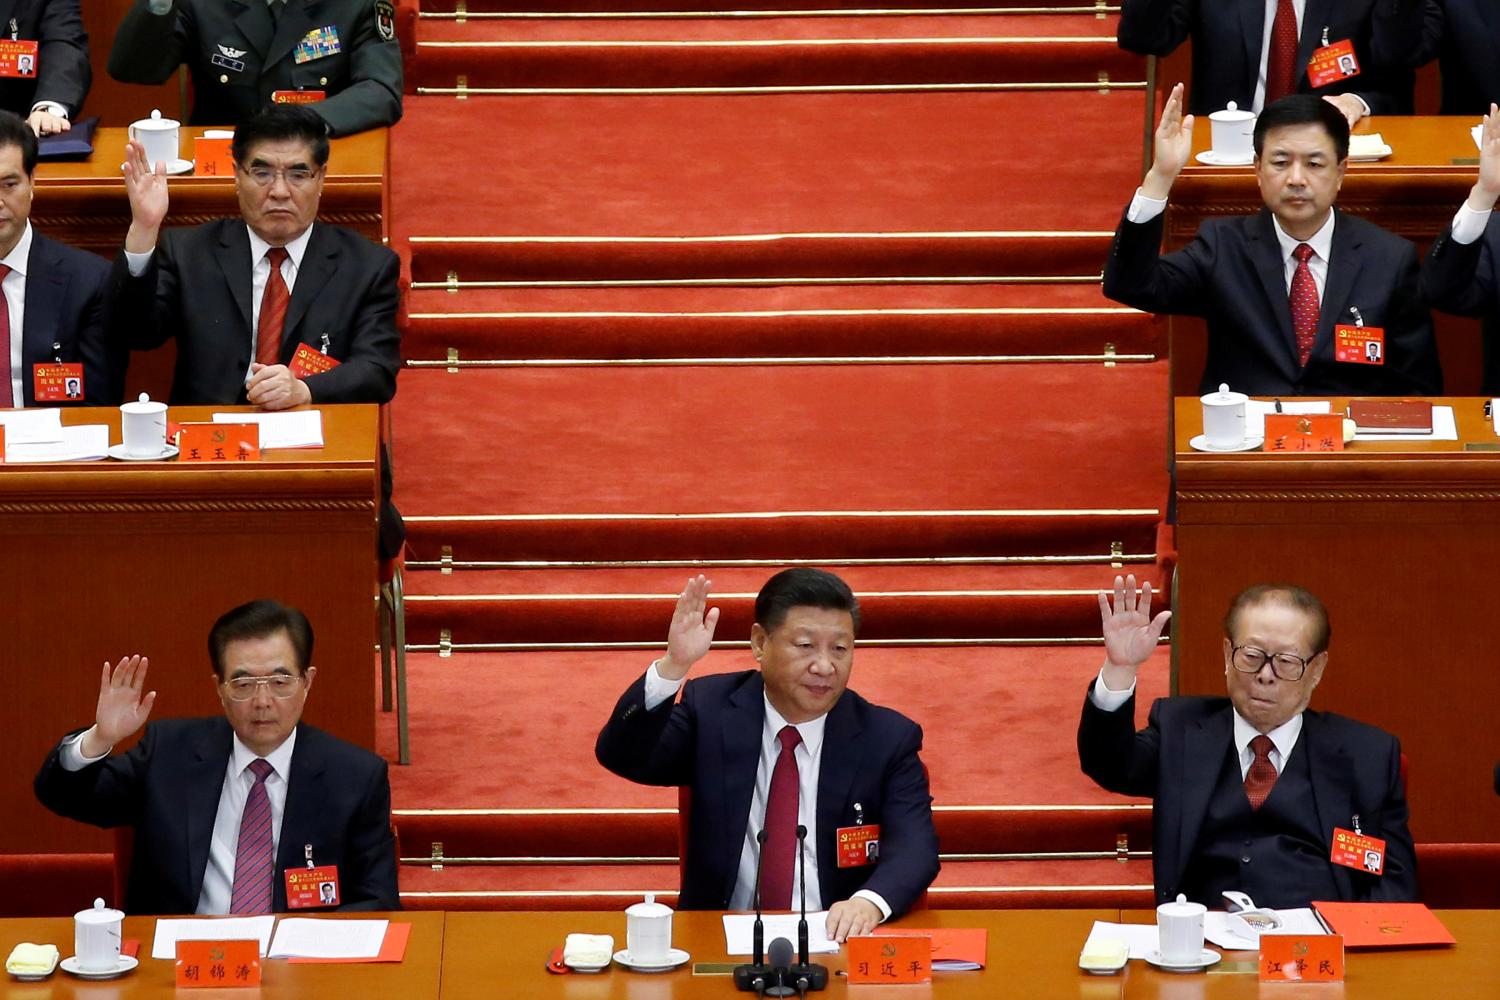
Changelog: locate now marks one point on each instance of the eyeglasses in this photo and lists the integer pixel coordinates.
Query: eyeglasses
(245, 688)
(1287, 666)
(296, 177)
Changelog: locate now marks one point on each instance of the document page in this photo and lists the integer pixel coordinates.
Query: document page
(81, 443)
(292, 429)
(310, 937)
(31, 426)
(739, 932)
(171, 930)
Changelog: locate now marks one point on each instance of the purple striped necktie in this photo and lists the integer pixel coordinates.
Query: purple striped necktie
(254, 859)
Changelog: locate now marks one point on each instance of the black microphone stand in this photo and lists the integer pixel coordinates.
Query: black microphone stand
(806, 975)
(756, 976)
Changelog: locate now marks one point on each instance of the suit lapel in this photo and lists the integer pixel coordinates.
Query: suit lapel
(1203, 758)
(1310, 38)
(1265, 251)
(46, 287)
(1332, 779)
(255, 24)
(1344, 264)
(296, 21)
(299, 820)
(319, 263)
(744, 720)
(235, 263)
(203, 784)
(842, 747)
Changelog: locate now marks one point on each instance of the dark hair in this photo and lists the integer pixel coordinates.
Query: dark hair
(280, 123)
(803, 588)
(15, 132)
(1290, 595)
(260, 620)
(1304, 109)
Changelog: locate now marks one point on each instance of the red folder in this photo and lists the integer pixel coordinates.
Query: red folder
(951, 946)
(1384, 925)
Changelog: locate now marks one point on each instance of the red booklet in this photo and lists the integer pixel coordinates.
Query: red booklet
(1384, 925)
(954, 949)
(1392, 416)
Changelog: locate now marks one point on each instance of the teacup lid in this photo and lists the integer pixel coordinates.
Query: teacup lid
(1180, 907)
(1224, 397)
(156, 122)
(143, 404)
(100, 914)
(1232, 113)
(649, 908)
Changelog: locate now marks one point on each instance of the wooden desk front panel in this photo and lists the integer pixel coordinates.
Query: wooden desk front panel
(111, 558)
(1401, 542)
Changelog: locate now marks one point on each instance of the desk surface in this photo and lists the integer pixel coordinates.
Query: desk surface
(1420, 144)
(1468, 412)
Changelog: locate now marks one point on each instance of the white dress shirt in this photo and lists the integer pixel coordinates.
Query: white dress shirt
(1468, 224)
(14, 288)
(809, 758)
(218, 877)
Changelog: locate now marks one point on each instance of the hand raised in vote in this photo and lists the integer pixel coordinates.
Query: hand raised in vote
(1172, 144)
(146, 187)
(1487, 189)
(691, 633)
(852, 917)
(274, 387)
(1130, 633)
(121, 709)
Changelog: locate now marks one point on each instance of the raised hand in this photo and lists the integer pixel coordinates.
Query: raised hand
(1130, 633)
(1487, 189)
(691, 632)
(146, 187)
(1171, 146)
(121, 709)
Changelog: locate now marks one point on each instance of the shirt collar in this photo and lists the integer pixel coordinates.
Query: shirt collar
(20, 253)
(280, 759)
(294, 249)
(811, 732)
(1283, 737)
(1321, 241)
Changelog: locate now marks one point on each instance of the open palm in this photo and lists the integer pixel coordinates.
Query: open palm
(1130, 633)
(691, 633)
(122, 709)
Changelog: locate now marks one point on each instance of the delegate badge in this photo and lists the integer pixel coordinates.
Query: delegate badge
(858, 845)
(298, 96)
(310, 362)
(1332, 63)
(312, 888)
(1359, 345)
(1354, 850)
(18, 58)
(57, 382)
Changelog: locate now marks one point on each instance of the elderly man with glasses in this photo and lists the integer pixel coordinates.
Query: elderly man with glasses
(224, 808)
(1254, 792)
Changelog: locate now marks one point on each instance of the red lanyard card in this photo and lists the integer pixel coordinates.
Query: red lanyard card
(1355, 850)
(858, 845)
(57, 383)
(1359, 345)
(18, 58)
(297, 96)
(308, 888)
(1332, 63)
(310, 362)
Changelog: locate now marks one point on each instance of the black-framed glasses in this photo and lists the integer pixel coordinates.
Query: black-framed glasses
(245, 688)
(1287, 666)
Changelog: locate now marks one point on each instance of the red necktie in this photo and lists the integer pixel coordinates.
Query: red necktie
(254, 863)
(1304, 301)
(1282, 59)
(272, 311)
(781, 826)
(1262, 773)
(7, 396)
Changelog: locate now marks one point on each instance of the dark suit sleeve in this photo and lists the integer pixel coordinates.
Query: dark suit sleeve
(650, 748)
(107, 793)
(1111, 752)
(368, 881)
(1458, 277)
(373, 97)
(1406, 33)
(1139, 275)
(149, 47)
(63, 72)
(1399, 883)
(104, 360)
(908, 839)
(368, 374)
(1411, 347)
(1154, 27)
(140, 313)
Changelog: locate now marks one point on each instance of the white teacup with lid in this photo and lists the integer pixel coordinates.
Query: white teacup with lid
(1179, 925)
(143, 427)
(1233, 134)
(1224, 417)
(96, 938)
(648, 932)
(160, 137)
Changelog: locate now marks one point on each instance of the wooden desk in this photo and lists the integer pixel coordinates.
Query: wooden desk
(415, 978)
(1031, 953)
(84, 203)
(1471, 968)
(1401, 541)
(108, 558)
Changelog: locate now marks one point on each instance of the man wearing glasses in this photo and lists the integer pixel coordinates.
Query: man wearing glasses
(1250, 790)
(222, 808)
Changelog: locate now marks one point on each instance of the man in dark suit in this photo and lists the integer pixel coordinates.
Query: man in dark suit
(222, 808)
(1249, 790)
(51, 297)
(243, 54)
(764, 752)
(1464, 36)
(53, 92)
(1276, 287)
(1237, 56)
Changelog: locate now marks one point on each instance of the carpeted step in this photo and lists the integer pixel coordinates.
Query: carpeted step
(1038, 51)
(904, 603)
(1039, 320)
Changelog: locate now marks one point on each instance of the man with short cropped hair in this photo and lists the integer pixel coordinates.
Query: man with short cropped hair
(764, 751)
(223, 808)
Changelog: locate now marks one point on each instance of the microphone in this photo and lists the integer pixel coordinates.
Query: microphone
(781, 962)
(754, 977)
(805, 975)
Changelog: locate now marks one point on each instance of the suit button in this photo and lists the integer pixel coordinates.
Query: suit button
(1245, 859)
(322, 81)
(223, 77)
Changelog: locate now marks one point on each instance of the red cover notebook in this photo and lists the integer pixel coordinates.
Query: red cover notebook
(953, 948)
(1392, 416)
(1384, 925)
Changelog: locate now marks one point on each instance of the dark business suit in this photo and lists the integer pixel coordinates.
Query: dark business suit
(1465, 279)
(63, 74)
(1227, 34)
(1464, 35)
(710, 741)
(1232, 274)
(1178, 760)
(338, 799)
(239, 55)
(65, 307)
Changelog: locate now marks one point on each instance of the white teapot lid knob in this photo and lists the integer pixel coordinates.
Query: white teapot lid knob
(1233, 106)
(145, 397)
(1223, 389)
(1180, 897)
(156, 113)
(98, 903)
(650, 897)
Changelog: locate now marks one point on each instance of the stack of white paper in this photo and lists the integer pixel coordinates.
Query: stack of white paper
(739, 932)
(83, 443)
(171, 930)
(31, 426)
(292, 429)
(310, 937)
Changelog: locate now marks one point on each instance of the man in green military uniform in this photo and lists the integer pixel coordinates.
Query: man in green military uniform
(338, 56)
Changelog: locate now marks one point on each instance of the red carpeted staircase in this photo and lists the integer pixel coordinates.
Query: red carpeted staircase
(721, 292)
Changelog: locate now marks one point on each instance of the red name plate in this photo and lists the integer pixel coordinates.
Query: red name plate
(217, 964)
(890, 959)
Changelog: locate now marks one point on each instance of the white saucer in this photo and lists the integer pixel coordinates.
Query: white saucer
(1103, 970)
(174, 167)
(675, 957)
(1200, 443)
(122, 965)
(34, 977)
(118, 451)
(586, 969)
(1212, 159)
(1207, 958)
